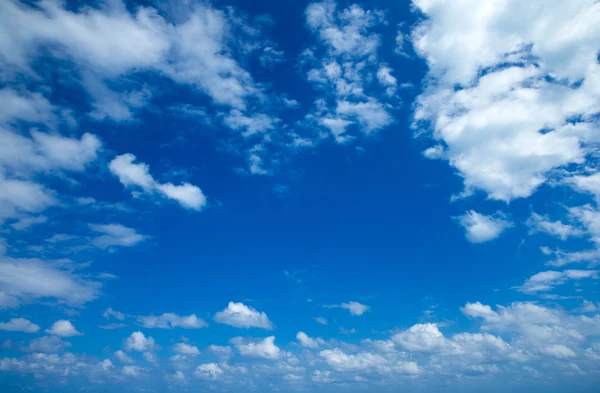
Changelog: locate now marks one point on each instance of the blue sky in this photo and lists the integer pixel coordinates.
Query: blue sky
(307, 196)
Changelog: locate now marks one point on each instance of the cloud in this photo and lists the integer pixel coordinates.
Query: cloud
(119, 316)
(221, 351)
(19, 325)
(123, 357)
(265, 349)
(421, 338)
(132, 371)
(113, 235)
(242, 316)
(170, 321)
(63, 328)
(25, 223)
(133, 174)
(341, 361)
(343, 66)
(208, 371)
(481, 228)
(150, 357)
(308, 342)
(138, 342)
(539, 223)
(186, 349)
(512, 59)
(26, 280)
(546, 281)
(47, 344)
(321, 320)
(355, 308)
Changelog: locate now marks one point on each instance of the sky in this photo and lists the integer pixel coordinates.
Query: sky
(269, 196)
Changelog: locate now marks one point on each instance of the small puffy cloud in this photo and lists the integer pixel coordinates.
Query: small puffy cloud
(421, 338)
(150, 357)
(408, 368)
(545, 281)
(559, 351)
(186, 349)
(138, 342)
(63, 328)
(133, 174)
(242, 316)
(481, 228)
(539, 223)
(265, 349)
(47, 344)
(355, 308)
(25, 223)
(321, 320)
(19, 325)
(132, 371)
(115, 235)
(221, 351)
(309, 342)
(171, 320)
(208, 371)
(363, 361)
(123, 357)
(110, 313)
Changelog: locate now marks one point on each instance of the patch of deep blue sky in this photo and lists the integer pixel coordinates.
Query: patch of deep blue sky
(370, 221)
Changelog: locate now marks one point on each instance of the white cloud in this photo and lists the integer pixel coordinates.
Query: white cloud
(19, 325)
(355, 308)
(508, 125)
(421, 338)
(132, 174)
(186, 349)
(563, 231)
(208, 371)
(481, 228)
(309, 342)
(346, 69)
(545, 281)
(150, 357)
(47, 344)
(132, 371)
(170, 321)
(138, 342)
(408, 368)
(255, 124)
(113, 235)
(559, 351)
(123, 357)
(114, 314)
(321, 320)
(221, 351)
(341, 361)
(265, 349)
(27, 222)
(63, 328)
(242, 316)
(25, 280)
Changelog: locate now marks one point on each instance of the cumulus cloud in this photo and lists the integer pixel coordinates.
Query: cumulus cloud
(140, 343)
(19, 325)
(421, 338)
(481, 228)
(123, 357)
(171, 320)
(63, 328)
(341, 361)
(309, 342)
(265, 349)
(539, 223)
(115, 235)
(132, 174)
(522, 78)
(208, 371)
(114, 314)
(47, 344)
(242, 316)
(186, 349)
